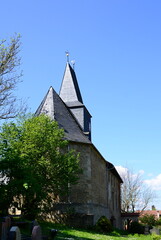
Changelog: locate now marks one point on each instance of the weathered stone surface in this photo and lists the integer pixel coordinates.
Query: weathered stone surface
(4, 231)
(36, 233)
(8, 222)
(155, 230)
(33, 224)
(14, 233)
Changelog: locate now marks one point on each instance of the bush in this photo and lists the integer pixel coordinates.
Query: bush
(104, 225)
(148, 219)
(158, 222)
(155, 237)
(136, 227)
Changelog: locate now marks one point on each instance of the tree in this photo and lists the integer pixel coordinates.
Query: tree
(9, 77)
(134, 194)
(153, 207)
(35, 164)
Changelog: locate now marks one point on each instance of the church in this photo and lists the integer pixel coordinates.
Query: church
(97, 192)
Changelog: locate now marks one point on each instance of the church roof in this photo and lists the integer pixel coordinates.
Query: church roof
(53, 106)
(69, 91)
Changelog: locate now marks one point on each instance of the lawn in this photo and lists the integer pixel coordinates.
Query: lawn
(66, 233)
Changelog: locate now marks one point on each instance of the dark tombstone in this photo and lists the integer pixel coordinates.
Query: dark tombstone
(155, 230)
(146, 230)
(8, 223)
(36, 233)
(33, 224)
(0, 230)
(4, 231)
(14, 233)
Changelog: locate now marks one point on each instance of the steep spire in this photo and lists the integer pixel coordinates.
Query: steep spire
(69, 91)
(71, 96)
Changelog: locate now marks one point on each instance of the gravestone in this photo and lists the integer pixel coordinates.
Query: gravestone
(33, 224)
(36, 233)
(4, 231)
(8, 222)
(146, 230)
(5, 227)
(155, 230)
(0, 230)
(14, 233)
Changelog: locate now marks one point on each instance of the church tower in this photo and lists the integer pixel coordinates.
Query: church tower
(71, 96)
(98, 190)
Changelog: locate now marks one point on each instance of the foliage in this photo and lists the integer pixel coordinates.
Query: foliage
(104, 225)
(153, 207)
(155, 237)
(158, 222)
(35, 164)
(148, 219)
(9, 77)
(136, 227)
(134, 194)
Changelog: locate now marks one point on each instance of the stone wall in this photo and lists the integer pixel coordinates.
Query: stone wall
(98, 190)
(114, 201)
(80, 193)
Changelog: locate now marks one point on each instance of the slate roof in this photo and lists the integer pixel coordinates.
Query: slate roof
(53, 106)
(69, 91)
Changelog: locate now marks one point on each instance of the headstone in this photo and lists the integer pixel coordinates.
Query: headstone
(36, 233)
(146, 230)
(14, 233)
(8, 222)
(33, 224)
(0, 230)
(5, 227)
(155, 230)
(4, 231)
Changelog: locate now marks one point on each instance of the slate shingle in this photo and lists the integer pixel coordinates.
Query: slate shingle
(53, 106)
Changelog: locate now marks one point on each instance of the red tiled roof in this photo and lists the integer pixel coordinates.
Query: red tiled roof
(139, 213)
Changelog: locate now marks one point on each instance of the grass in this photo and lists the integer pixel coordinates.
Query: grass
(69, 233)
(66, 233)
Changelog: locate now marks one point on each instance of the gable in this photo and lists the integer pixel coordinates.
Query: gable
(53, 106)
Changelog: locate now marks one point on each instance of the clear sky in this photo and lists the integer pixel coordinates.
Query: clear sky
(116, 45)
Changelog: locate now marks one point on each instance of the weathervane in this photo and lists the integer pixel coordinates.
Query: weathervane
(67, 54)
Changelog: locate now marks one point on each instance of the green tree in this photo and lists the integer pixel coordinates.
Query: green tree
(9, 78)
(153, 207)
(35, 164)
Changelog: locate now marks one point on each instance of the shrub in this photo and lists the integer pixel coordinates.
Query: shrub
(158, 222)
(155, 237)
(148, 219)
(136, 227)
(104, 225)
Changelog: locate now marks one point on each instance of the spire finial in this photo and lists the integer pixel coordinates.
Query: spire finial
(67, 54)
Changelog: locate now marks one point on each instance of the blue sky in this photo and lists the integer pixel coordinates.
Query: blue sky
(117, 49)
